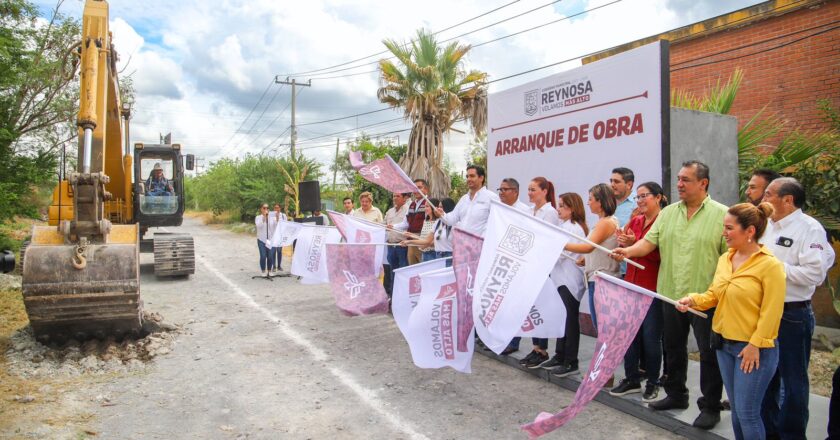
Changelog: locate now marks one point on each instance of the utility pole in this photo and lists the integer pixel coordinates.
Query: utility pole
(293, 83)
(335, 164)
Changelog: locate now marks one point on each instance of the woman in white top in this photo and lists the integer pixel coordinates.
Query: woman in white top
(438, 243)
(602, 204)
(426, 240)
(568, 277)
(541, 195)
(277, 252)
(264, 223)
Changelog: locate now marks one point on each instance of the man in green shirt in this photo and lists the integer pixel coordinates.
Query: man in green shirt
(689, 235)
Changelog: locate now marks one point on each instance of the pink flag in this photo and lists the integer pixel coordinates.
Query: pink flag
(383, 172)
(353, 280)
(466, 249)
(621, 308)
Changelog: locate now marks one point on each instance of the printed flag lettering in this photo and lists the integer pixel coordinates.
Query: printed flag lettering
(433, 325)
(309, 261)
(407, 288)
(621, 307)
(355, 231)
(354, 283)
(511, 272)
(547, 317)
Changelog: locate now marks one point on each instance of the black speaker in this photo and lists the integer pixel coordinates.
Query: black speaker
(310, 195)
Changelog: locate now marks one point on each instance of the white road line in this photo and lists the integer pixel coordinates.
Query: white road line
(366, 395)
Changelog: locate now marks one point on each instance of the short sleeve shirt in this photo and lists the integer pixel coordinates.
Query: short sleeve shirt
(689, 249)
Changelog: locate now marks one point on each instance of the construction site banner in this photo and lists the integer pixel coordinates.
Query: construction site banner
(574, 127)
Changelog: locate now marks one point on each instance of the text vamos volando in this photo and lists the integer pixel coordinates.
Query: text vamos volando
(608, 129)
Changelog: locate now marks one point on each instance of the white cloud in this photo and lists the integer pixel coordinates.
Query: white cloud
(200, 66)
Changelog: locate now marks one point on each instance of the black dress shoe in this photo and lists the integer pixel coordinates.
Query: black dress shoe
(707, 420)
(670, 402)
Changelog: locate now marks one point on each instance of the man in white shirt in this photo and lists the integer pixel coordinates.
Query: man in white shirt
(397, 255)
(413, 220)
(473, 209)
(509, 194)
(800, 242)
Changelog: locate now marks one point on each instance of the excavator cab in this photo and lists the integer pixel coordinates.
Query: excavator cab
(159, 202)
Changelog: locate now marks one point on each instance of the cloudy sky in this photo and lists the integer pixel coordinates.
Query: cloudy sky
(204, 70)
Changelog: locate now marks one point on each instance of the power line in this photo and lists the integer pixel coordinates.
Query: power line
(345, 117)
(249, 115)
(254, 125)
(443, 41)
(385, 51)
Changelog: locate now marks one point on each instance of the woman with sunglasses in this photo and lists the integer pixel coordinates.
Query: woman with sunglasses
(265, 228)
(650, 199)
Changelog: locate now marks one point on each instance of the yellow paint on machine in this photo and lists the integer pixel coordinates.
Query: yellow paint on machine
(120, 234)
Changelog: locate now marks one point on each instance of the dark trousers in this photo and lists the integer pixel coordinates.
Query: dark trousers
(786, 414)
(266, 257)
(834, 407)
(277, 257)
(649, 338)
(567, 346)
(397, 257)
(676, 328)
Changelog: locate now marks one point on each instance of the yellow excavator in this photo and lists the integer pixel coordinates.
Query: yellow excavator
(81, 275)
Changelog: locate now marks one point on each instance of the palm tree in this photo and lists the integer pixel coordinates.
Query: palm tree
(435, 92)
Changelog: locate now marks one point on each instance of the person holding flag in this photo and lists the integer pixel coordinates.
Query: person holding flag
(412, 222)
(689, 237)
(473, 208)
(367, 211)
(571, 285)
(509, 195)
(541, 195)
(748, 290)
(277, 251)
(602, 204)
(650, 199)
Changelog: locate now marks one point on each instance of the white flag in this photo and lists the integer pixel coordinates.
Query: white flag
(285, 234)
(356, 231)
(309, 261)
(518, 253)
(433, 327)
(407, 289)
(547, 318)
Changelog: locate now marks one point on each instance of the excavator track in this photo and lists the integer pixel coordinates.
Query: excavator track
(174, 255)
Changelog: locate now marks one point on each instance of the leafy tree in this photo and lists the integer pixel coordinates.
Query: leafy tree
(370, 151)
(38, 95)
(431, 86)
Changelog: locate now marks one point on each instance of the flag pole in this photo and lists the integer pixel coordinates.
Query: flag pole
(647, 292)
(379, 225)
(378, 244)
(571, 234)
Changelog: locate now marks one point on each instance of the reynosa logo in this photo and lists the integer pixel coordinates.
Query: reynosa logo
(517, 240)
(353, 285)
(532, 99)
(374, 171)
(362, 236)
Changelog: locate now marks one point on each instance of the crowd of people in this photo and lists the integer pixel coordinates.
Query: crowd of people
(751, 267)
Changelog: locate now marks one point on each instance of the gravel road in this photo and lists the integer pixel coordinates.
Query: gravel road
(261, 359)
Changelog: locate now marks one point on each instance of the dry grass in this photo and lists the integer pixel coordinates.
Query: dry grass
(208, 218)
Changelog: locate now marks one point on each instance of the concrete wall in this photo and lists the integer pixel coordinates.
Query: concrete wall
(711, 139)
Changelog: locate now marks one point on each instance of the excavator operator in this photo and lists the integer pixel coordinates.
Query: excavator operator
(157, 184)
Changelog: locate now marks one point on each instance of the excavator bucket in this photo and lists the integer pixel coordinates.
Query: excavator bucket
(100, 299)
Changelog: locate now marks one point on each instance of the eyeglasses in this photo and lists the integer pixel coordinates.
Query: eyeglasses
(505, 189)
(642, 196)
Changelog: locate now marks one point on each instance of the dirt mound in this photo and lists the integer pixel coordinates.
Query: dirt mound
(28, 358)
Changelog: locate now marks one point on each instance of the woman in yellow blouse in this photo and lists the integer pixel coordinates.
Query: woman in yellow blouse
(749, 292)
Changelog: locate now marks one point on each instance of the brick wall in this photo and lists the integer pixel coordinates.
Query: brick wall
(789, 80)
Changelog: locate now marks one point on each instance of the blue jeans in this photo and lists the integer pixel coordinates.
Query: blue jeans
(444, 254)
(648, 337)
(429, 256)
(785, 408)
(266, 256)
(592, 304)
(397, 257)
(276, 257)
(746, 390)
